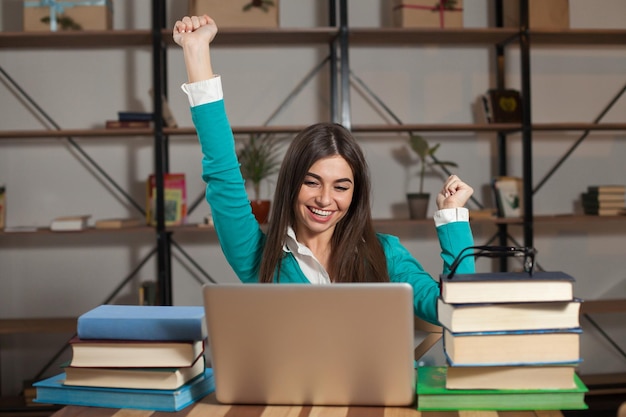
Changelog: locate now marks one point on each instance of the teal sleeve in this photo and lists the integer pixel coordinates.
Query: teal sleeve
(403, 267)
(239, 233)
(454, 238)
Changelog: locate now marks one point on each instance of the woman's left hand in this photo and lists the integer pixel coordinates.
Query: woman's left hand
(454, 193)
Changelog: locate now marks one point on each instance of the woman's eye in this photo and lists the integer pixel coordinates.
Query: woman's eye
(310, 183)
(341, 188)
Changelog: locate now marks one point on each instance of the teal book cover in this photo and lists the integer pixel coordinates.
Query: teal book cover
(53, 391)
(432, 395)
(132, 322)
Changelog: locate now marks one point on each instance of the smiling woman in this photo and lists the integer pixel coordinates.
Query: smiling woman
(321, 229)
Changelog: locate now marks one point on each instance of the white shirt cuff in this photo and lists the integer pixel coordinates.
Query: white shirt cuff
(205, 91)
(445, 216)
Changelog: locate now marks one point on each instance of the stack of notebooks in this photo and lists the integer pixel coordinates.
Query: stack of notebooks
(512, 342)
(604, 200)
(142, 357)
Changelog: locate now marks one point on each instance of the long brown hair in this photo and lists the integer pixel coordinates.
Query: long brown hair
(356, 253)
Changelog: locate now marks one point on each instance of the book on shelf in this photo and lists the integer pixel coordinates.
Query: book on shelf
(133, 378)
(70, 223)
(603, 197)
(118, 223)
(607, 189)
(135, 116)
(485, 317)
(509, 196)
(133, 322)
(121, 353)
(516, 347)
(603, 204)
(503, 105)
(432, 395)
(127, 124)
(605, 211)
(3, 205)
(511, 377)
(175, 199)
(506, 287)
(53, 391)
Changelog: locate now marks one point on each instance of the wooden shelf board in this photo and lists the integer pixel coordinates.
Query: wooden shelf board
(100, 39)
(425, 127)
(275, 37)
(578, 37)
(417, 36)
(604, 306)
(38, 325)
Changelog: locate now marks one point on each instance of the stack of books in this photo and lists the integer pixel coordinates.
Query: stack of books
(511, 341)
(142, 357)
(604, 200)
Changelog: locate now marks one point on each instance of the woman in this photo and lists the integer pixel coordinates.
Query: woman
(321, 227)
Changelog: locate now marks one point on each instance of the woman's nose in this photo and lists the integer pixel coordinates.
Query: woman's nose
(323, 197)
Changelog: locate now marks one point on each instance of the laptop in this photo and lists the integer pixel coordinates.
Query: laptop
(298, 344)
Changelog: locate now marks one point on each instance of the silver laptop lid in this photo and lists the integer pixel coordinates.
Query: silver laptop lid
(339, 344)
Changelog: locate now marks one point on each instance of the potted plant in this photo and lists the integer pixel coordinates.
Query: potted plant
(418, 202)
(259, 159)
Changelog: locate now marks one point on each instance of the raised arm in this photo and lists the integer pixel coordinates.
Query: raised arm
(195, 34)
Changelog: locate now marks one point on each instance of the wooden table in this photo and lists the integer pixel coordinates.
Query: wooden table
(209, 407)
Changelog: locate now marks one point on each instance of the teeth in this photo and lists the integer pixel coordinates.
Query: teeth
(321, 212)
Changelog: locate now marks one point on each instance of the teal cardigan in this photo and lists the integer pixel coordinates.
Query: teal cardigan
(242, 239)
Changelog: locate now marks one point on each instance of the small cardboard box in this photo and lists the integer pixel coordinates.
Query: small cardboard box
(552, 14)
(238, 13)
(76, 15)
(428, 14)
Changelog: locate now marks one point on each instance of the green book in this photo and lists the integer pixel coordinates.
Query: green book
(432, 395)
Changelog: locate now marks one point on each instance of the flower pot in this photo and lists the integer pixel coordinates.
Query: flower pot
(261, 210)
(418, 205)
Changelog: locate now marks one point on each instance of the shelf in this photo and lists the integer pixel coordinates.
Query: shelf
(240, 130)
(378, 223)
(38, 325)
(603, 306)
(439, 37)
(273, 37)
(76, 40)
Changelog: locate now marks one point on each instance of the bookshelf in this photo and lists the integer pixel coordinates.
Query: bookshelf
(157, 40)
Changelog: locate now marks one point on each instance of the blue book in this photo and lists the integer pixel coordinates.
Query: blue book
(134, 116)
(163, 323)
(53, 391)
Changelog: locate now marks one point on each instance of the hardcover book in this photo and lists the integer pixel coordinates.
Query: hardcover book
(485, 317)
(54, 391)
(531, 347)
(175, 199)
(432, 395)
(134, 354)
(505, 105)
(506, 287)
(511, 377)
(117, 223)
(70, 223)
(607, 189)
(132, 322)
(135, 378)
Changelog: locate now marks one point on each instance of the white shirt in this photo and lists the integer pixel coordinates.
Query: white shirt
(207, 91)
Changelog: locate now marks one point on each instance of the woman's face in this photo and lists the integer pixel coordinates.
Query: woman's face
(325, 197)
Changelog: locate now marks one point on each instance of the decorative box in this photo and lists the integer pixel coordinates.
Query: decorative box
(58, 15)
(428, 13)
(542, 14)
(238, 13)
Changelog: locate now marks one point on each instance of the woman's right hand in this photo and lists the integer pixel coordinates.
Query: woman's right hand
(194, 28)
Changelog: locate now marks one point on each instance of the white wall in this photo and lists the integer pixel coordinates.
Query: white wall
(67, 275)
